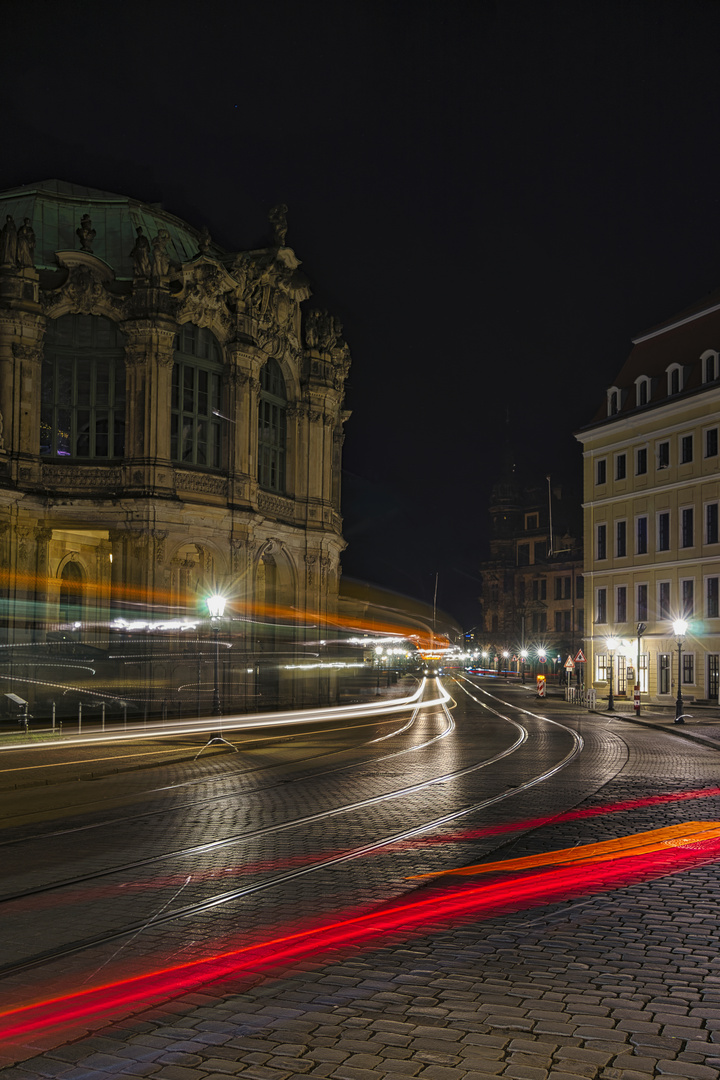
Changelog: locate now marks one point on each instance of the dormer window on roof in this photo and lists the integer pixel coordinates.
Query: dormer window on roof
(613, 401)
(642, 390)
(675, 379)
(710, 365)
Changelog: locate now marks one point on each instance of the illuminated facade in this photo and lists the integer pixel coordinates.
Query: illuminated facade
(171, 423)
(652, 491)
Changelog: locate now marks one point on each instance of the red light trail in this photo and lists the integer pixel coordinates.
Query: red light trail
(404, 917)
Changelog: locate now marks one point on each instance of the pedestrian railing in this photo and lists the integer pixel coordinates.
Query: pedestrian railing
(578, 695)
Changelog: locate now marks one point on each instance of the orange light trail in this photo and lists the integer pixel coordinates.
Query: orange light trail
(529, 890)
(622, 847)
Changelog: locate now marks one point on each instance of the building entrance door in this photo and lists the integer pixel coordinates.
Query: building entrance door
(622, 674)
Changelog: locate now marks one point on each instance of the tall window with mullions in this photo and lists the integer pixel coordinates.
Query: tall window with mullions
(82, 411)
(272, 428)
(195, 423)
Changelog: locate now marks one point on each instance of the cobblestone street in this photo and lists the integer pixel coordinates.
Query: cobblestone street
(620, 985)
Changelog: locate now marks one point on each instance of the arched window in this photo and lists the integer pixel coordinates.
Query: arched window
(642, 390)
(195, 423)
(272, 428)
(71, 595)
(82, 412)
(613, 401)
(710, 366)
(675, 382)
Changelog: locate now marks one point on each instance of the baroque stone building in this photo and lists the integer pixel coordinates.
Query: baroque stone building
(171, 425)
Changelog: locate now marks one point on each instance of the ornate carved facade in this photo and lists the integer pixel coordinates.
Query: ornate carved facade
(171, 422)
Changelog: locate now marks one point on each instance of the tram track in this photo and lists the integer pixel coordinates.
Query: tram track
(233, 895)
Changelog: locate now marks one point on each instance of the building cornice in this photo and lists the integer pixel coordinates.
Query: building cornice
(675, 324)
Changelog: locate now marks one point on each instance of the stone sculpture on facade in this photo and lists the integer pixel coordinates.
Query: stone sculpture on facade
(278, 220)
(85, 233)
(141, 254)
(204, 241)
(8, 243)
(160, 257)
(26, 245)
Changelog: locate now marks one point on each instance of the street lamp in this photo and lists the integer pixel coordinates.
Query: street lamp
(641, 628)
(523, 661)
(612, 644)
(679, 630)
(216, 607)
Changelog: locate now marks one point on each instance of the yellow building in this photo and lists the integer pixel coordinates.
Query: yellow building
(651, 494)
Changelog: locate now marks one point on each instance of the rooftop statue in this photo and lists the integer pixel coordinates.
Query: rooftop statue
(26, 245)
(160, 257)
(85, 233)
(8, 243)
(278, 219)
(141, 254)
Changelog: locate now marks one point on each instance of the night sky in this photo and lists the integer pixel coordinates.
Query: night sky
(492, 196)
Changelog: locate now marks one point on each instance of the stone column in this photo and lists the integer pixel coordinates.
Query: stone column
(149, 364)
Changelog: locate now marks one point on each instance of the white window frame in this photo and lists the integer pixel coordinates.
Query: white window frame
(670, 369)
(710, 502)
(621, 456)
(618, 620)
(613, 392)
(681, 510)
(639, 517)
(602, 668)
(658, 515)
(681, 601)
(658, 444)
(706, 579)
(660, 615)
(706, 432)
(600, 525)
(600, 483)
(621, 521)
(646, 616)
(686, 435)
(598, 590)
(686, 653)
(642, 380)
(638, 450)
(707, 355)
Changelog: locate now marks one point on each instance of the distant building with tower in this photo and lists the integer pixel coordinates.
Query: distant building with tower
(171, 425)
(652, 492)
(532, 596)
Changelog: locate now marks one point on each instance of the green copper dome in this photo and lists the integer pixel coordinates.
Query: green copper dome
(55, 209)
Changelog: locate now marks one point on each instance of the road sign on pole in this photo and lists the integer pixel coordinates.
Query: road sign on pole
(580, 659)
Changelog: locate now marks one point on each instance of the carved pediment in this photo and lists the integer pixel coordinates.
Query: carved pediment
(85, 289)
(206, 289)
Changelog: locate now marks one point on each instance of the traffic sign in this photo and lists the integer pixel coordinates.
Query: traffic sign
(580, 659)
(569, 664)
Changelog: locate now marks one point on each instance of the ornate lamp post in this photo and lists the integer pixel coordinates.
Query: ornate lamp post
(612, 644)
(679, 630)
(641, 628)
(216, 607)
